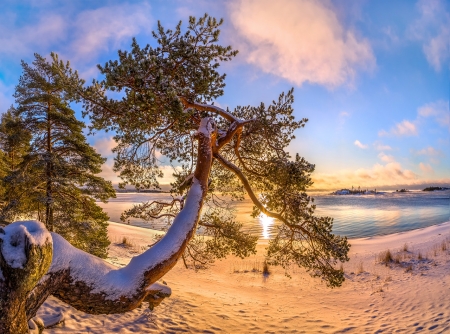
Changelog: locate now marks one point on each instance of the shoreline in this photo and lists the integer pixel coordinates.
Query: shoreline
(233, 295)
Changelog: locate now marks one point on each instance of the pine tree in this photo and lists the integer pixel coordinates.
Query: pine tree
(59, 172)
(14, 146)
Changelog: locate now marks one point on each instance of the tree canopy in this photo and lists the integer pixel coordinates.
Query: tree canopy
(53, 169)
(167, 91)
(165, 108)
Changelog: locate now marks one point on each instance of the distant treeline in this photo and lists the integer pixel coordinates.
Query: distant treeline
(435, 188)
(140, 191)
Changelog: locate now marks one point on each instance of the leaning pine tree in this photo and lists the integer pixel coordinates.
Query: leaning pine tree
(166, 107)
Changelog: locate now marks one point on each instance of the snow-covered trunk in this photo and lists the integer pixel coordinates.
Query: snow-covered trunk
(25, 256)
(94, 286)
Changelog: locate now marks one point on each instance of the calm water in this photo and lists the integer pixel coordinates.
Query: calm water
(354, 216)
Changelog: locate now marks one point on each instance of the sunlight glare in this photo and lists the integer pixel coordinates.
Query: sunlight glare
(266, 222)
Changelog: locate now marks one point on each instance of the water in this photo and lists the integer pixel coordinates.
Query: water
(354, 215)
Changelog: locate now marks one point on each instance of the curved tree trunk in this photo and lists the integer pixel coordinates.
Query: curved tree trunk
(94, 286)
(84, 281)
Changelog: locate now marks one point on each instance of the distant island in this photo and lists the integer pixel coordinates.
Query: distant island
(435, 188)
(353, 191)
(402, 191)
(140, 191)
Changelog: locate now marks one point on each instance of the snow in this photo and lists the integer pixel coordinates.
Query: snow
(14, 240)
(105, 278)
(162, 288)
(206, 126)
(232, 298)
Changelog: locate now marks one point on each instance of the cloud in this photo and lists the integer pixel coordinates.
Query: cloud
(433, 154)
(386, 158)
(390, 174)
(404, 128)
(35, 37)
(433, 30)
(80, 37)
(439, 110)
(381, 147)
(108, 173)
(107, 28)
(426, 168)
(104, 146)
(300, 41)
(358, 143)
(430, 151)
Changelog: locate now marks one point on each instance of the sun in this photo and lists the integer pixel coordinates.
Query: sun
(265, 222)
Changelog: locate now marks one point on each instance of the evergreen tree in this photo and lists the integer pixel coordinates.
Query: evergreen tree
(59, 172)
(14, 146)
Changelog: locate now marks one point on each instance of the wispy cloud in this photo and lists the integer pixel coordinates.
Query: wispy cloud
(381, 147)
(300, 41)
(386, 158)
(433, 155)
(104, 146)
(391, 174)
(439, 110)
(426, 168)
(429, 151)
(404, 128)
(360, 145)
(80, 37)
(106, 28)
(35, 37)
(433, 30)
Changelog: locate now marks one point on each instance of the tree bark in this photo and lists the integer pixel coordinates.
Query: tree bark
(94, 286)
(25, 256)
(49, 172)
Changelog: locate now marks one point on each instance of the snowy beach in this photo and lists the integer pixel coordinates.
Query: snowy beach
(408, 294)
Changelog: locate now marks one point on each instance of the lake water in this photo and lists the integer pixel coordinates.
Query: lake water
(354, 215)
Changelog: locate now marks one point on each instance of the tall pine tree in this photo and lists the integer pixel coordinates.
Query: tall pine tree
(59, 172)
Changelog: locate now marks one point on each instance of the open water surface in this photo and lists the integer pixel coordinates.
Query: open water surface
(354, 215)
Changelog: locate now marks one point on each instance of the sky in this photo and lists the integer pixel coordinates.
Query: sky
(372, 77)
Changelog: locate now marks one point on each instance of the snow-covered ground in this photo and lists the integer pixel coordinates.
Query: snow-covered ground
(234, 297)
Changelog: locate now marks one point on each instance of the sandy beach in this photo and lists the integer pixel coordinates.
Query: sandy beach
(408, 294)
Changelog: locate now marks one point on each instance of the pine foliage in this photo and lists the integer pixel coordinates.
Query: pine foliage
(167, 89)
(56, 180)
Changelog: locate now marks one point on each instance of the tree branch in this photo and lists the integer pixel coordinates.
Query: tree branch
(230, 166)
(207, 107)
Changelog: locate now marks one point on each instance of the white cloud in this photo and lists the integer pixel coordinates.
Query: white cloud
(80, 37)
(107, 28)
(430, 151)
(381, 147)
(426, 168)
(404, 128)
(104, 146)
(439, 110)
(389, 174)
(300, 41)
(360, 145)
(433, 30)
(37, 37)
(386, 158)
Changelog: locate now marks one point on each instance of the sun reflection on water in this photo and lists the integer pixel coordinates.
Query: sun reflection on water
(265, 222)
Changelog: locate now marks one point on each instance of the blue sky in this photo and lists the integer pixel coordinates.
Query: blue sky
(372, 77)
